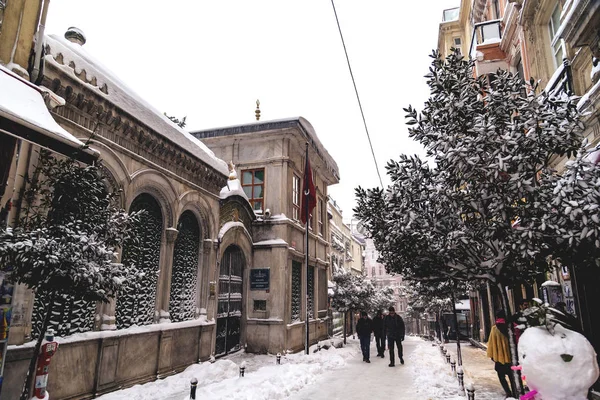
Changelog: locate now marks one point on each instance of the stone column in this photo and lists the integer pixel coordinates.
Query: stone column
(205, 277)
(163, 291)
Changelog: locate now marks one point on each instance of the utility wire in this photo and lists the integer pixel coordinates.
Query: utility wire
(357, 96)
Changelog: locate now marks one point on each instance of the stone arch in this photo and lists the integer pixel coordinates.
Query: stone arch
(194, 201)
(156, 184)
(136, 305)
(184, 275)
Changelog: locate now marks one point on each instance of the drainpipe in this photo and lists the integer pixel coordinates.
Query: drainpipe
(35, 73)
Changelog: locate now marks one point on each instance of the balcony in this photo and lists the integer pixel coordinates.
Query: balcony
(451, 14)
(485, 46)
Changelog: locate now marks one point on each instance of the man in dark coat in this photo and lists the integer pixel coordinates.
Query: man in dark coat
(379, 334)
(364, 328)
(393, 326)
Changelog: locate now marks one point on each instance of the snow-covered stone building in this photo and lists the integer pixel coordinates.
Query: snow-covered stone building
(346, 250)
(169, 322)
(270, 160)
(377, 274)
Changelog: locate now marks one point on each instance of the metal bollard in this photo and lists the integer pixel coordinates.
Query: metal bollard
(242, 368)
(278, 358)
(461, 383)
(470, 391)
(193, 386)
(453, 366)
(447, 358)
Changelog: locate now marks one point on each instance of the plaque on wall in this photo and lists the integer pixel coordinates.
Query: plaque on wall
(259, 279)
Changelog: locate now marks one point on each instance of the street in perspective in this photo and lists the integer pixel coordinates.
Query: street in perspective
(299, 200)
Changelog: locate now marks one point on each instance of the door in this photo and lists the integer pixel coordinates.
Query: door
(229, 310)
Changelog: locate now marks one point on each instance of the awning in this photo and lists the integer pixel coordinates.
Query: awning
(23, 114)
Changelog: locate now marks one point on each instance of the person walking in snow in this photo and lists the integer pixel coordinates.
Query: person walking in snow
(498, 351)
(364, 328)
(393, 326)
(379, 334)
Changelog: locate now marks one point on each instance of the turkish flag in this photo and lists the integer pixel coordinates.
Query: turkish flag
(309, 195)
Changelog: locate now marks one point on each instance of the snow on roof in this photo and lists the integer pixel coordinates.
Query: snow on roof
(272, 242)
(22, 102)
(550, 283)
(230, 225)
(75, 60)
(233, 188)
(463, 305)
(260, 126)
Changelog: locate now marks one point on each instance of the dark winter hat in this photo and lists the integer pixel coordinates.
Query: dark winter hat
(392, 309)
(363, 314)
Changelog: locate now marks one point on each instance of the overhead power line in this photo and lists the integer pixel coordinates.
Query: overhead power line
(356, 91)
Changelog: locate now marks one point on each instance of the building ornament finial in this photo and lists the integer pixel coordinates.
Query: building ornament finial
(257, 112)
(232, 173)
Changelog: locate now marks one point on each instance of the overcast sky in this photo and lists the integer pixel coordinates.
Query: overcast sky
(210, 60)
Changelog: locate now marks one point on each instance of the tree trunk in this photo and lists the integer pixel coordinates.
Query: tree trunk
(36, 351)
(345, 323)
(458, 352)
(514, 356)
(440, 316)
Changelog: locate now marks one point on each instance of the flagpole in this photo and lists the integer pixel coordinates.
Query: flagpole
(306, 194)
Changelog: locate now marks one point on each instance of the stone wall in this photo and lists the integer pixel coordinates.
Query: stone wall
(103, 364)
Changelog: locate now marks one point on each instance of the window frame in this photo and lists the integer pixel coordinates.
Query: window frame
(296, 189)
(296, 301)
(556, 43)
(253, 199)
(320, 218)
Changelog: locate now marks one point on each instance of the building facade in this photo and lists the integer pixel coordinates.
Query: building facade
(555, 43)
(377, 274)
(270, 159)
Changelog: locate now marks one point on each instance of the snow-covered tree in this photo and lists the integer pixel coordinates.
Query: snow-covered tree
(66, 244)
(492, 147)
(351, 292)
(383, 298)
(571, 228)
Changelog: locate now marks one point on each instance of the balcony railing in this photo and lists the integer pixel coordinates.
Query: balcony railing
(484, 33)
(562, 80)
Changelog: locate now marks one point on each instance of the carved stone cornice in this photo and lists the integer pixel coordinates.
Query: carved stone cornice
(86, 107)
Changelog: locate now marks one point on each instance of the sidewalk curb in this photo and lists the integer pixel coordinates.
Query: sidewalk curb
(478, 344)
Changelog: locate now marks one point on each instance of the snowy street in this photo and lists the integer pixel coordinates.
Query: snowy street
(328, 375)
(358, 380)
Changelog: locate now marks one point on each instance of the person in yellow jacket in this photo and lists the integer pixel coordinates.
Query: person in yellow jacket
(498, 350)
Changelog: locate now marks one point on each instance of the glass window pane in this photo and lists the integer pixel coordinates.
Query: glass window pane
(258, 205)
(248, 191)
(258, 192)
(247, 177)
(259, 176)
(555, 20)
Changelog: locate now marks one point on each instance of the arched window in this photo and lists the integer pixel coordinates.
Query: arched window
(136, 303)
(182, 303)
(373, 271)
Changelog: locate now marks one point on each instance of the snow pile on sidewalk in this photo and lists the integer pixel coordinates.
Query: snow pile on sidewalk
(432, 375)
(263, 378)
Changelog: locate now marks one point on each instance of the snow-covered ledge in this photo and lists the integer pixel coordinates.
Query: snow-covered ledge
(93, 335)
